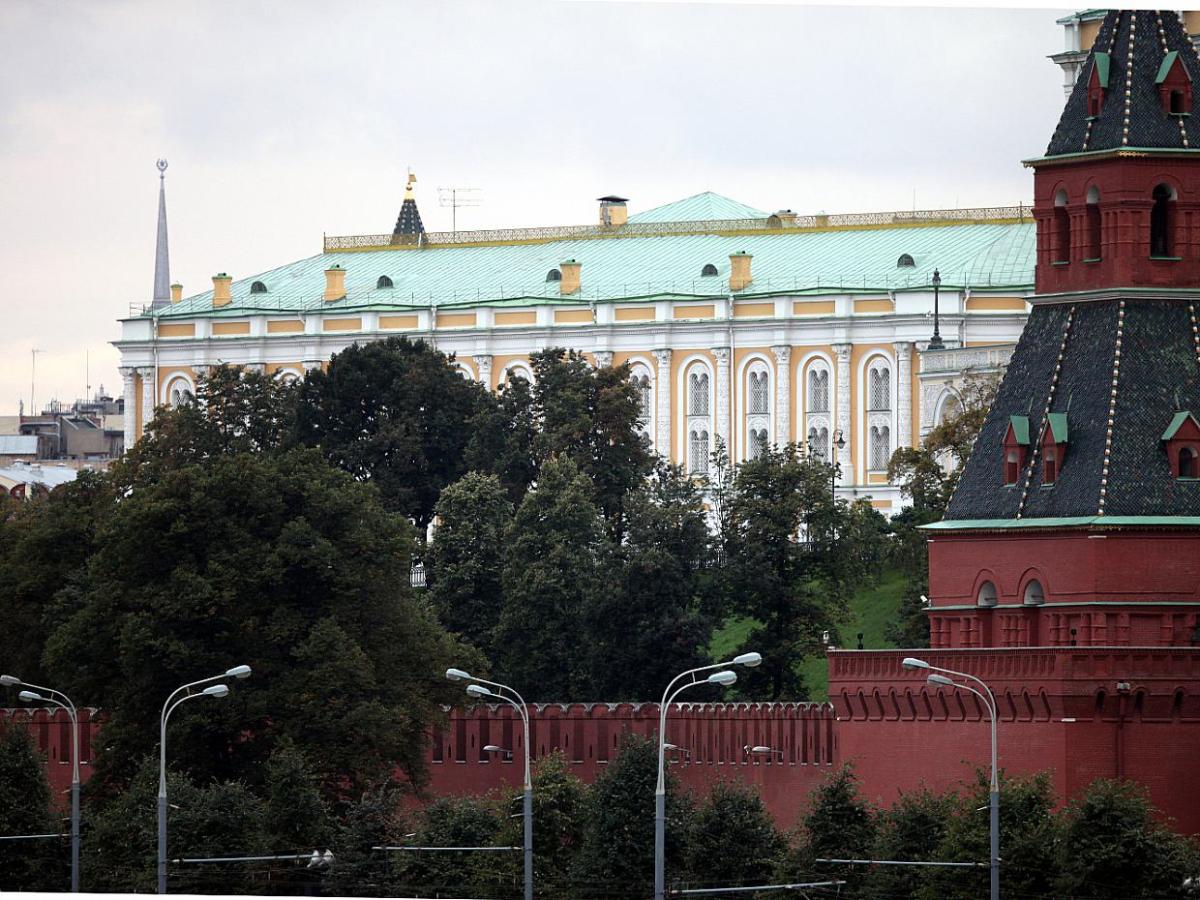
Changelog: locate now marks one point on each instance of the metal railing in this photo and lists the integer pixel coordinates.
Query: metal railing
(772, 224)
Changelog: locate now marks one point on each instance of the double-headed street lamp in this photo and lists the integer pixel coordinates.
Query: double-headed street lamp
(940, 677)
(935, 342)
(63, 702)
(725, 677)
(180, 695)
(477, 690)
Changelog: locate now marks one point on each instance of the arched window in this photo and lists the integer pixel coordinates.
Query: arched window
(1188, 467)
(554, 275)
(905, 261)
(818, 390)
(640, 376)
(1161, 238)
(698, 451)
(879, 382)
(758, 442)
(1012, 465)
(383, 282)
(760, 393)
(1093, 223)
(881, 447)
(287, 376)
(1062, 228)
(1034, 595)
(697, 393)
(258, 288)
(818, 442)
(518, 371)
(179, 393)
(708, 270)
(987, 594)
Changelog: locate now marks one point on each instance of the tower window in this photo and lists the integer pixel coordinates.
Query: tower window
(1034, 595)
(383, 282)
(1178, 105)
(709, 269)
(1062, 228)
(1050, 465)
(258, 288)
(554, 275)
(1093, 223)
(1188, 466)
(987, 594)
(1012, 465)
(1160, 221)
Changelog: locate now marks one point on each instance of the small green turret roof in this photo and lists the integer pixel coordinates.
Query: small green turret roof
(1177, 423)
(1020, 428)
(1058, 426)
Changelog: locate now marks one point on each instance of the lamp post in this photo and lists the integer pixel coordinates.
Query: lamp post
(840, 444)
(939, 677)
(935, 342)
(762, 750)
(172, 701)
(477, 690)
(724, 677)
(63, 702)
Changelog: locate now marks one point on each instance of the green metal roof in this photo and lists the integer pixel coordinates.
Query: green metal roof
(699, 208)
(1165, 66)
(998, 256)
(1177, 423)
(1058, 426)
(1071, 522)
(1102, 60)
(1020, 427)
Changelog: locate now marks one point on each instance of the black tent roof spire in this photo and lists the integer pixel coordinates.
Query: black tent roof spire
(408, 223)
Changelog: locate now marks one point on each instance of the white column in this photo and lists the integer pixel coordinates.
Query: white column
(148, 389)
(721, 355)
(662, 397)
(783, 394)
(128, 391)
(603, 358)
(904, 436)
(483, 362)
(843, 410)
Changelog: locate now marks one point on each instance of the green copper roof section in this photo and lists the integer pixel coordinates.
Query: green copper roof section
(981, 255)
(1102, 62)
(1177, 423)
(1058, 426)
(1165, 66)
(1020, 427)
(699, 208)
(1071, 522)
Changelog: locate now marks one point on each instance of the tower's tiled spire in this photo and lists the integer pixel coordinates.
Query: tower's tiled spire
(162, 262)
(408, 223)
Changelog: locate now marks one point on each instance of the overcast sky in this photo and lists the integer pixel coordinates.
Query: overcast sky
(285, 120)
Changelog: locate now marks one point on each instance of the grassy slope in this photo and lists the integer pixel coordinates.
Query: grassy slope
(872, 609)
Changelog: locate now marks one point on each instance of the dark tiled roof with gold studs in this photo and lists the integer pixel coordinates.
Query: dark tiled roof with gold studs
(1134, 51)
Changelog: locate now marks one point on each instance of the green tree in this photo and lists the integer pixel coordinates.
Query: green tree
(911, 829)
(455, 822)
(502, 438)
(734, 839)
(277, 561)
(25, 808)
(465, 557)
(791, 558)
(553, 571)
(296, 816)
(653, 625)
(394, 413)
(1029, 838)
(616, 859)
(1112, 847)
(373, 819)
(839, 824)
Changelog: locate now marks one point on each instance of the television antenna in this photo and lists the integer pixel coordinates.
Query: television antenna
(456, 198)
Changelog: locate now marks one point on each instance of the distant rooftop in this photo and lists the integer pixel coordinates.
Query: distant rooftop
(699, 208)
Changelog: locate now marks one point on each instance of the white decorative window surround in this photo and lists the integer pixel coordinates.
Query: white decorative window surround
(643, 381)
(757, 387)
(879, 404)
(818, 407)
(818, 388)
(880, 448)
(818, 437)
(178, 391)
(697, 383)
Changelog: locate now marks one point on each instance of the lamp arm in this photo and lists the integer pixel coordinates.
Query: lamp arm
(979, 681)
(503, 687)
(66, 701)
(185, 687)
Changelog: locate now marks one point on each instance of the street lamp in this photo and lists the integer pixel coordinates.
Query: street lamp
(935, 342)
(840, 444)
(938, 677)
(477, 690)
(725, 678)
(59, 699)
(172, 701)
(762, 750)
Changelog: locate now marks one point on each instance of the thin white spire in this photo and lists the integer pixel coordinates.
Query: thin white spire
(162, 262)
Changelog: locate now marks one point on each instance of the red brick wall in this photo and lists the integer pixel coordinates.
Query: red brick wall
(51, 730)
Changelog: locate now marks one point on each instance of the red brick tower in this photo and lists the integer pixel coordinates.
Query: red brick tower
(1067, 570)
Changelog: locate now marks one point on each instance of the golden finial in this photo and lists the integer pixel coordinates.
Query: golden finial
(408, 190)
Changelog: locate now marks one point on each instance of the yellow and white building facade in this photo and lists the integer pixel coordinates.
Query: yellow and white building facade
(739, 325)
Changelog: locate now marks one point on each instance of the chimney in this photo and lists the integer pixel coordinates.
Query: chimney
(786, 217)
(335, 283)
(570, 276)
(221, 293)
(739, 270)
(176, 292)
(613, 212)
